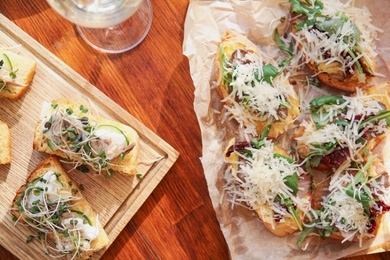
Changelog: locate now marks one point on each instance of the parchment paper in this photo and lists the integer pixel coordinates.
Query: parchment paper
(206, 21)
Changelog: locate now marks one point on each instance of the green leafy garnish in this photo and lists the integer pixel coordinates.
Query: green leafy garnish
(269, 73)
(282, 45)
(12, 72)
(81, 214)
(83, 109)
(316, 107)
(305, 232)
(382, 115)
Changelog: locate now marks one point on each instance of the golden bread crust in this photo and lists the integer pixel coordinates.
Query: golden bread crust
(335, 80)
(5, 143)
(53, 164)
(232, 41)
(25, 71)
(126, 165)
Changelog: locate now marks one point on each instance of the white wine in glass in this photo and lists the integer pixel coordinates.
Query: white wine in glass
(111, 26)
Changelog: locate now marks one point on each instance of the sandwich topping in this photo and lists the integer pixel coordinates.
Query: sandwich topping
(357, 195)
(5, 64)
(332, 40)
(82, 139)
(342, 125)
(257, 91)
(265, 180)
(47, 207)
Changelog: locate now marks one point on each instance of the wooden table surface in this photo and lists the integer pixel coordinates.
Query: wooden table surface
(153, 83)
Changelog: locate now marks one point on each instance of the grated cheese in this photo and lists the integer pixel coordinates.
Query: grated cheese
(328, 51)
(355, 109)
(251, 100)
(259, 180)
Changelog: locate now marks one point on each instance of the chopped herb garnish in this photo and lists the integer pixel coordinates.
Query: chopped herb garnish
(83, 109)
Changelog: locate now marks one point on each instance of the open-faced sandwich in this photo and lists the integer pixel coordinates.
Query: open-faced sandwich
(344, 128)
(337, 49)
(350, 185)
(53, 207)
(16, 74)
(265, 178)
(5, 143)
(72, 132)
(354, 203)
(255, 91)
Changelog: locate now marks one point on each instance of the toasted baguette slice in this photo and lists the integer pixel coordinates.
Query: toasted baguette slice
(374, 225)
(254, 114)
(280, 225)
(5, 143)
(17, 74)
(330, 68)
(121, 155)
(55, 177)
(370, 98)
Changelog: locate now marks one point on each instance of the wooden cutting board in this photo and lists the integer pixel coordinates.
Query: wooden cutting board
(116, 199)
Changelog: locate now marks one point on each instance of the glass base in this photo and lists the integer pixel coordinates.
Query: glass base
(122, 37)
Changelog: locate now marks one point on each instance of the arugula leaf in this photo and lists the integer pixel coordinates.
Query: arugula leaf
(292, 182)
(305, 232)
(278, 155)
(382, 115)
(283, 64)
(306, 23)
(269, 72)
(282, 45)
(326, 100)
(316, 107)
(323, 149)
(364, 194)
(266, 130)
(300, 8)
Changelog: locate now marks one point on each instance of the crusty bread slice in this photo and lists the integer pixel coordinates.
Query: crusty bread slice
(379, 92)
(377, 169)
(82, 205)
(126, 165)
(232, 41)
(287, 225)
(24, 70)
(5, 143)
(331, 74)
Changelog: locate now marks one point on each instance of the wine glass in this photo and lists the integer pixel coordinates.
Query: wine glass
(111, 26)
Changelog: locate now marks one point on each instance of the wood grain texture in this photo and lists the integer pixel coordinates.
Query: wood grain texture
(153, 83)
(116, 199)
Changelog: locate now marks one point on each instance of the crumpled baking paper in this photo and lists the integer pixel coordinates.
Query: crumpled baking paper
(205, 22)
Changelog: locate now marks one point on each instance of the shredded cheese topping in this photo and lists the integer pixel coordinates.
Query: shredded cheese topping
(252, 100)
(329, 51)
(354, 110)
(259, 180)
